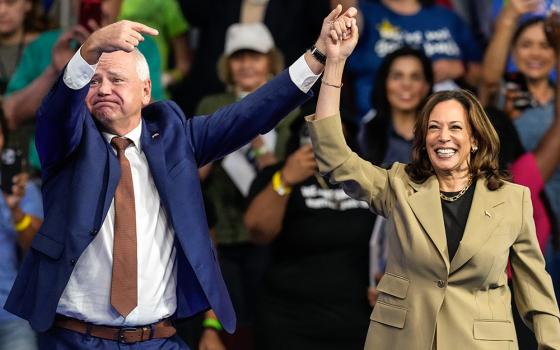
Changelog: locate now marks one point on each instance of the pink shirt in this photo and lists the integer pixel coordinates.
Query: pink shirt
(526, 172)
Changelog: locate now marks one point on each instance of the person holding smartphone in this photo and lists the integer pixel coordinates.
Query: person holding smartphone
(535, 57)
(21, 213)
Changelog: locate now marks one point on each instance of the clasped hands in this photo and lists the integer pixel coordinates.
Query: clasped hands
(339, 34)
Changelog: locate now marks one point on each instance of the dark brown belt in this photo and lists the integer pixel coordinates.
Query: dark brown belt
(127, 335)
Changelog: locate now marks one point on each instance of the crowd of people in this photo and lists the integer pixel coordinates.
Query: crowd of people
(389, 217)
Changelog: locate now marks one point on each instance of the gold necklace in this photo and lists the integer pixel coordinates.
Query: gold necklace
(458, 195)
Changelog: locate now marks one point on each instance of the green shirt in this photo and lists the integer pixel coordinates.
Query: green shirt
(163, 15)
(229, 203)
(37, 57)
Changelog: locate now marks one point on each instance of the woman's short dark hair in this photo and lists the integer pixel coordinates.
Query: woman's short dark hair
(484, 162)
(524, 25)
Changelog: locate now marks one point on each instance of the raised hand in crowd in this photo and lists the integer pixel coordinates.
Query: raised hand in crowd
(64, 49)
(22, 104)
(497, 52)
(521, 7)
(547, 152)
(18, 191)
(552, 29)
(13, 201)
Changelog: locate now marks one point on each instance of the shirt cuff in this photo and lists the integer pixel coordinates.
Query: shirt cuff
(302, 75)
(78, 72)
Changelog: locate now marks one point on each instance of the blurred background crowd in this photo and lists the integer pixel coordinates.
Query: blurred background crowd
(301, 259)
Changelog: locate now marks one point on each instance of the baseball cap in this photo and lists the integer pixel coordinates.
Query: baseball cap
(248, 36)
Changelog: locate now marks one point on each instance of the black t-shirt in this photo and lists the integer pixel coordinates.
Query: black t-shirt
(318, 277)
(455, 215)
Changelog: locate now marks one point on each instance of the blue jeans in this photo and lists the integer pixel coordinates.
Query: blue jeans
(62, 339)
(17, 335)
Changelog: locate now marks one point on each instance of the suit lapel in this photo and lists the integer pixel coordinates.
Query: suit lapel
(426, 205)
(484, 216)
(113, 173)
(152, 146)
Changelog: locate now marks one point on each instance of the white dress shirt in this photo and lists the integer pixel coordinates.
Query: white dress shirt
(87, 294)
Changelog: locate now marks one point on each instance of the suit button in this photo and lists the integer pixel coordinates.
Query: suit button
(93, 232)
(441, 284)
(73, 262)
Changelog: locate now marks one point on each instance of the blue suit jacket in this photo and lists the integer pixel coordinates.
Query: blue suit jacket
(80, 174)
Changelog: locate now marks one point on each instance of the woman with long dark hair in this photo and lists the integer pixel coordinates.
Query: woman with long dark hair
(404, 80)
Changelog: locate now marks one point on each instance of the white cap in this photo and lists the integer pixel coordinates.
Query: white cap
(248, 36)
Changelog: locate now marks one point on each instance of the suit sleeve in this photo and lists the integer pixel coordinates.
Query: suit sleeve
(60, 120)
(232, 126)
(359, 178)
(534, 295)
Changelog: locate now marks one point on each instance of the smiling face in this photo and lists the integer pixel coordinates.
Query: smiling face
(249, 69)
(406, 84)
(449, 139)
(117, 94)
(532, 53)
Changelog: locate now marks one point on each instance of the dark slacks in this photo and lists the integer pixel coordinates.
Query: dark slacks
(62, 339)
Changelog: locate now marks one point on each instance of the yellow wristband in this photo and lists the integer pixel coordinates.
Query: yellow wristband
(278, 186)
(24, 223)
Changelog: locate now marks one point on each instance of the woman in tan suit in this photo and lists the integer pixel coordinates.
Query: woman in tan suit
(453, 224)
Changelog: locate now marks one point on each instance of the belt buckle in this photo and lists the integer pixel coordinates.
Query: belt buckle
(122, 333)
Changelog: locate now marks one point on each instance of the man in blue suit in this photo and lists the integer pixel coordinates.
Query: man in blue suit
(124, 247)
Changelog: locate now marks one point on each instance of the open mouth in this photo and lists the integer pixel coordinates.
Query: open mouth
(535, 65)
(446, 152)
(406, 98)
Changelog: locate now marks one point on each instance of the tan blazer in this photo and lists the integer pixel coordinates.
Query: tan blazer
(426, 301)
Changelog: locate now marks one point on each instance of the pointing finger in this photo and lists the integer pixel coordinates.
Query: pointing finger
(142, 28)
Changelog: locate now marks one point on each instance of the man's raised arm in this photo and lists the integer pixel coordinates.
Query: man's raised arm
(62, 113)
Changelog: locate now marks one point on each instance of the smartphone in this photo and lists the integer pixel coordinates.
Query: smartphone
(10, 166)
(90, 9)
(517, 81)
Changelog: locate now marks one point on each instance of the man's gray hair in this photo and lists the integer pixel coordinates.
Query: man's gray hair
(142, 68)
